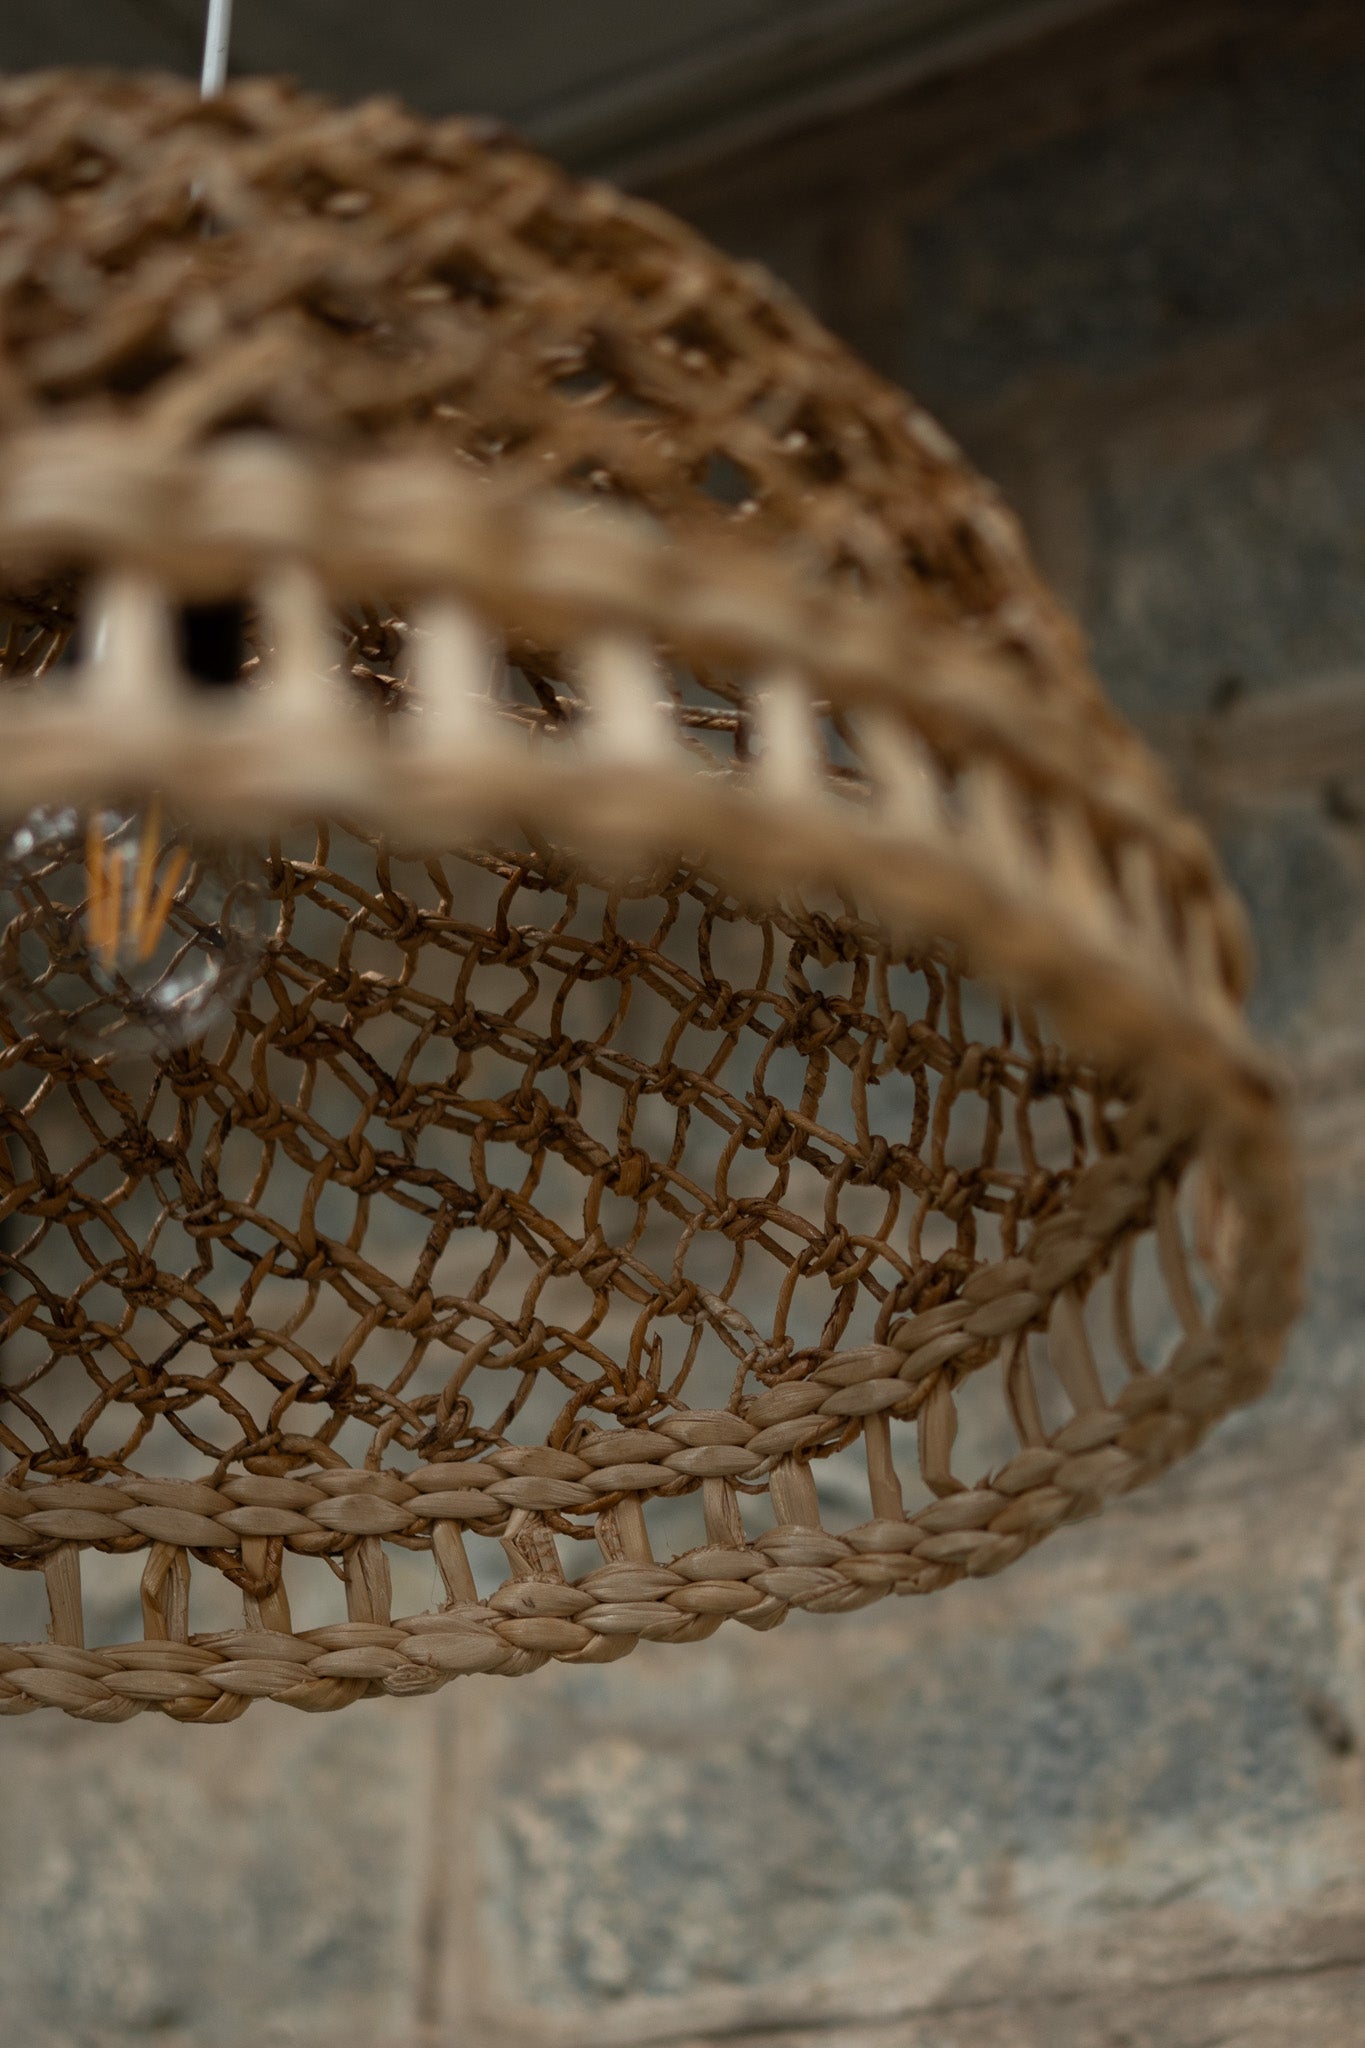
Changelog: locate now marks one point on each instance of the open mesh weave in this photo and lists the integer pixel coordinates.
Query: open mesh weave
(640, 1198)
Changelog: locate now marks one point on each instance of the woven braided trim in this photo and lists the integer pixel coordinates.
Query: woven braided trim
(243, 1523)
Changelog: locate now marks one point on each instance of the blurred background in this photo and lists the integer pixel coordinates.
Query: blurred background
(1114, 1799)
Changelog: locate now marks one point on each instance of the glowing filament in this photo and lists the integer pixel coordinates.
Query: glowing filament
(147, 912)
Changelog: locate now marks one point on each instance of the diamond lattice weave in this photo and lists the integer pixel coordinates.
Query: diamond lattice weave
(744, 1104)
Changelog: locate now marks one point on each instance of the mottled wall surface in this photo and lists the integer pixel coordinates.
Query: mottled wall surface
(1113, 1799)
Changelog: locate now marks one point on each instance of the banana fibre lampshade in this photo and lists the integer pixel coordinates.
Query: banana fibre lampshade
(602, 1029)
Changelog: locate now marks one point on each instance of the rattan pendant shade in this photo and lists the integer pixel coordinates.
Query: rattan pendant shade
(742, 1102)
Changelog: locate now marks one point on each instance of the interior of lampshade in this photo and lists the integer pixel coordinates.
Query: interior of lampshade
(495, 1157)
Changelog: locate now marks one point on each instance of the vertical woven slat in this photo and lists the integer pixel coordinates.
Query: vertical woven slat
(166, 1594)
(369, 1584)
(795, 1498)
(884, 1486)
(62, 1573)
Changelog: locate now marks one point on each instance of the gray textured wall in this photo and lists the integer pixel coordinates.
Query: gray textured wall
(1113, 1799)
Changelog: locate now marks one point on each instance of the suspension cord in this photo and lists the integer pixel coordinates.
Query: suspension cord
(217, 35)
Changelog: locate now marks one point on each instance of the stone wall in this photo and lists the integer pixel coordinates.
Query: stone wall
(1113, 1799)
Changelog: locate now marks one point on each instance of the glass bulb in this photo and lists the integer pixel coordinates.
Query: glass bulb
(119, 933)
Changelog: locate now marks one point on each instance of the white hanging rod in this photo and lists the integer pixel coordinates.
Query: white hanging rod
(217, 36)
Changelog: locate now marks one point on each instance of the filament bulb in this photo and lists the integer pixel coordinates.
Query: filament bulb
(119, 933)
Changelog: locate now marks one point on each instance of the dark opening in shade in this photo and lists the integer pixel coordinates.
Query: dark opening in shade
(213, 641)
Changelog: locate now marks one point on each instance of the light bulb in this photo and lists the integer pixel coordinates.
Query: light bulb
(121, 934)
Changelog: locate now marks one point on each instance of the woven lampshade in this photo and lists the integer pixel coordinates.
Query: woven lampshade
(735, 1097)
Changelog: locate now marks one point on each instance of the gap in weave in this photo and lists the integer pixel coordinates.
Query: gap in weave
(1156, 1322)
(216, 1604)
(727, 481)
(1057, 1145)
(986, 1436)
(24, 1610)
(989, 1241)
(111, 1597)
(1053, 1406)
(1098, 1314)
(1190, 1193)
(316, 1596)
